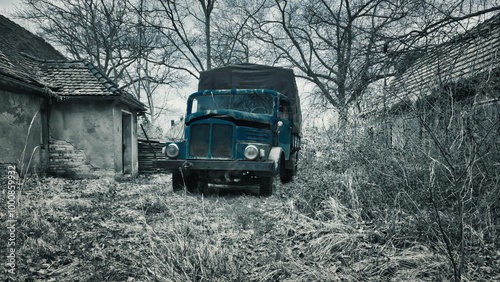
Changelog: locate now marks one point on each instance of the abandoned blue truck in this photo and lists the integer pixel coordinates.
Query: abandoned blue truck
(242, 127)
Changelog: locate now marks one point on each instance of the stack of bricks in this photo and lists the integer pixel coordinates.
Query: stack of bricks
(66, 160)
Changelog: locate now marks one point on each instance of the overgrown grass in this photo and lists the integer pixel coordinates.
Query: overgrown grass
(439, 192)
(357, 210)
(103, 230)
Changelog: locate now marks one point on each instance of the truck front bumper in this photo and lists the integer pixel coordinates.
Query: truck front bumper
(265, 168)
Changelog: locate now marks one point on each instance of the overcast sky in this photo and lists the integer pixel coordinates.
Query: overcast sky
(6, 5)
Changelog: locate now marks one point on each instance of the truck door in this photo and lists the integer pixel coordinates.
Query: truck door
(284, 131)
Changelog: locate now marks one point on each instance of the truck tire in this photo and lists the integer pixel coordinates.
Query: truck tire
(191, 182)
(276, 155)
(266, 186)
(177, 183)
(202, 185)
(286, 174)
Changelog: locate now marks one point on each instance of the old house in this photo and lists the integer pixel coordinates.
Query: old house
(63, 117)
(459, 78)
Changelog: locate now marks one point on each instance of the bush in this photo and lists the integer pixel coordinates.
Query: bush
(430, 178)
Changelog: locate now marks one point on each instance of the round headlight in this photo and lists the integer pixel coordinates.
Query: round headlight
(172, 151)
(251, 152)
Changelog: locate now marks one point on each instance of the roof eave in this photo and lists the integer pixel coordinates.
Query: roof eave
(10, 83)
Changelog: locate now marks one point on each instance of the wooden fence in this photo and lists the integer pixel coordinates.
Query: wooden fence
(146, 155)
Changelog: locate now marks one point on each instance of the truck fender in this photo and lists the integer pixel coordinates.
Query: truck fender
(275, 156)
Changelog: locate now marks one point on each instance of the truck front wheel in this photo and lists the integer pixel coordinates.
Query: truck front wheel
(178, 182)
(266, 186)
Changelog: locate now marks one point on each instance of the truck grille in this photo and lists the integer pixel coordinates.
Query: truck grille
(259, 136)
(199, 141)
(222, 141)
(220, 138)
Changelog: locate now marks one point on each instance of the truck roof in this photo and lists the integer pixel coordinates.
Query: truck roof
(254, 76)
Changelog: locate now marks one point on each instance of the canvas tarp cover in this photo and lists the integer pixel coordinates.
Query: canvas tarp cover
(252, 76)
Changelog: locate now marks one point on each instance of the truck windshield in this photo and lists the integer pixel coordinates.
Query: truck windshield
(248, 102)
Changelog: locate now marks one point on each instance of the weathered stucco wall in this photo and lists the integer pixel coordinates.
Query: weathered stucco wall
(86, 138)
(16, 113)
(81, 126)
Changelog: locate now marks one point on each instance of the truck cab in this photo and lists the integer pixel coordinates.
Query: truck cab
(234, 137)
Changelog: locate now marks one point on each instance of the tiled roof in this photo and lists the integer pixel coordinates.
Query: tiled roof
(82, 79)
(466, 57)
(27, 58)
(17, 49)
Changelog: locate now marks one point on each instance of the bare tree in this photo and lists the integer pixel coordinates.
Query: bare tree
(342, 47)
(234, 42)
(335, 44)
(345, 46)
(150, 76)
(96, 30)
(204, 33)
(111, 35)
(208, 7)
(181, 25)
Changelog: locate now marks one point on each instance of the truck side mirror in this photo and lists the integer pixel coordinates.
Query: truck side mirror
(280, 123)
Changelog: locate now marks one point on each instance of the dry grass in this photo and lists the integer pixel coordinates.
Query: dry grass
(354, 213)
(381, 219)
(103, 230)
